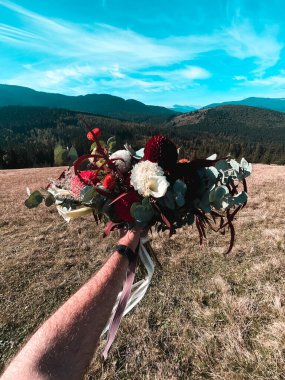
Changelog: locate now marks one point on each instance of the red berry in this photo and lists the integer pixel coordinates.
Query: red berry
(161, 150)
(95, 134)
(109, 181)
(89, 178)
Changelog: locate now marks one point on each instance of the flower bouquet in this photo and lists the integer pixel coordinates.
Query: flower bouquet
(150, 188)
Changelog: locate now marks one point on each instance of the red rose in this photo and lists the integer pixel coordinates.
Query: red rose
(109, 181)
(123, 205)
(95, 134)
(89, 178)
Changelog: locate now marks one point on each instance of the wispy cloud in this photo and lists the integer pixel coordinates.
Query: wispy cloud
(273, 81)
(102, 58)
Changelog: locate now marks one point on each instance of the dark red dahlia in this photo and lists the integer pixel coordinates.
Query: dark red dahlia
(89, 178)
(123, 205)
(161, 150)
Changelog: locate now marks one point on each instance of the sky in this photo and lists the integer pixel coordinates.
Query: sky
(161, 52)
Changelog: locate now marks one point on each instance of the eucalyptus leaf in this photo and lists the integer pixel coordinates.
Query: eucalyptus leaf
(222, 165)
(87, 194)
(220, 192)
(235, 165)
(145, 202)
(212, 157)
(179, 187)
(169, 200)
(34, 199)
(133, 207)
(180, 199)
(49, 200)
(140, 153)
(143, 214)
(240, 198)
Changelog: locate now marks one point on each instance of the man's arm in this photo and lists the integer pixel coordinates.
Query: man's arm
(63, 347)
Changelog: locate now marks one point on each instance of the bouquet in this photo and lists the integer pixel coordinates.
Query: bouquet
(150, 188)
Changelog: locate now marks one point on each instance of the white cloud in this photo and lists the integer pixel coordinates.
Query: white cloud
(276, 81)
(102, 58)
(241, 41)
(194, 72)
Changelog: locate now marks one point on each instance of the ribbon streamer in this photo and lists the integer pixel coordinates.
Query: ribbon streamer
(128, 298)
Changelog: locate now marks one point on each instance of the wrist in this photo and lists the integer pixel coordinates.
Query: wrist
(126, 252)
(130, 240)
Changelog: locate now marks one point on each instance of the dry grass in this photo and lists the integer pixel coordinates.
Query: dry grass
(204, 317)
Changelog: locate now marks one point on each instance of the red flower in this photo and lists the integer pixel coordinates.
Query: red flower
(183, 160)
(95, 134)
(89, 178)
(161, 150)
(109, 181)
(123, 205)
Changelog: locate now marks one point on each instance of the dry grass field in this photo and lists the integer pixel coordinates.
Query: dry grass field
(205, 316)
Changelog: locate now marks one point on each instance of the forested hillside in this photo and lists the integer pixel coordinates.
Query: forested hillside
(28, 135)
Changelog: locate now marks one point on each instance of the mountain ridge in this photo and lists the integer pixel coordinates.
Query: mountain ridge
(276, 104)
(101, 104)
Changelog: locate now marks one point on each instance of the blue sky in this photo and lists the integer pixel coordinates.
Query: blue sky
(159, 52)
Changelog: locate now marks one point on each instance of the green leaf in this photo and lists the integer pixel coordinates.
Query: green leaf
(180, 199)
(49, 200)
(240, 198)
(145, 202)
(60, 155)
(169, 200)
(179, 187)
(140, 213)
(72, 154)
(133, 207)
(87, 194)
(34, 199)
(222, 165)
(111, 144)
(235, 165)
(93, 146)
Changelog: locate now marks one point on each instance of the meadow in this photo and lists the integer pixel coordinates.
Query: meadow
(205, 316)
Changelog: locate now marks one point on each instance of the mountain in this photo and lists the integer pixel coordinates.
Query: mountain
(256, 133)
(183, 109)
(28, 135)
(277, 104)
(101, 104)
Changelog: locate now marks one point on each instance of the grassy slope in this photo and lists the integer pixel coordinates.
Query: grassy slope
(204, 317)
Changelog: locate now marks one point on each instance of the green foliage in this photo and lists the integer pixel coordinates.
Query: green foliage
(142, 212)
(64, 157)
(49, 200)
(34, 199)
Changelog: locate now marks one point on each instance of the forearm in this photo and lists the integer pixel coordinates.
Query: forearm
(63, 346)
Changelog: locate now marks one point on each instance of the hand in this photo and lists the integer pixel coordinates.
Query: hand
(130, 238)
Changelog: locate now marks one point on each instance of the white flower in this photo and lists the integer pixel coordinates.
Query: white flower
(148, 179)
(123, 160)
